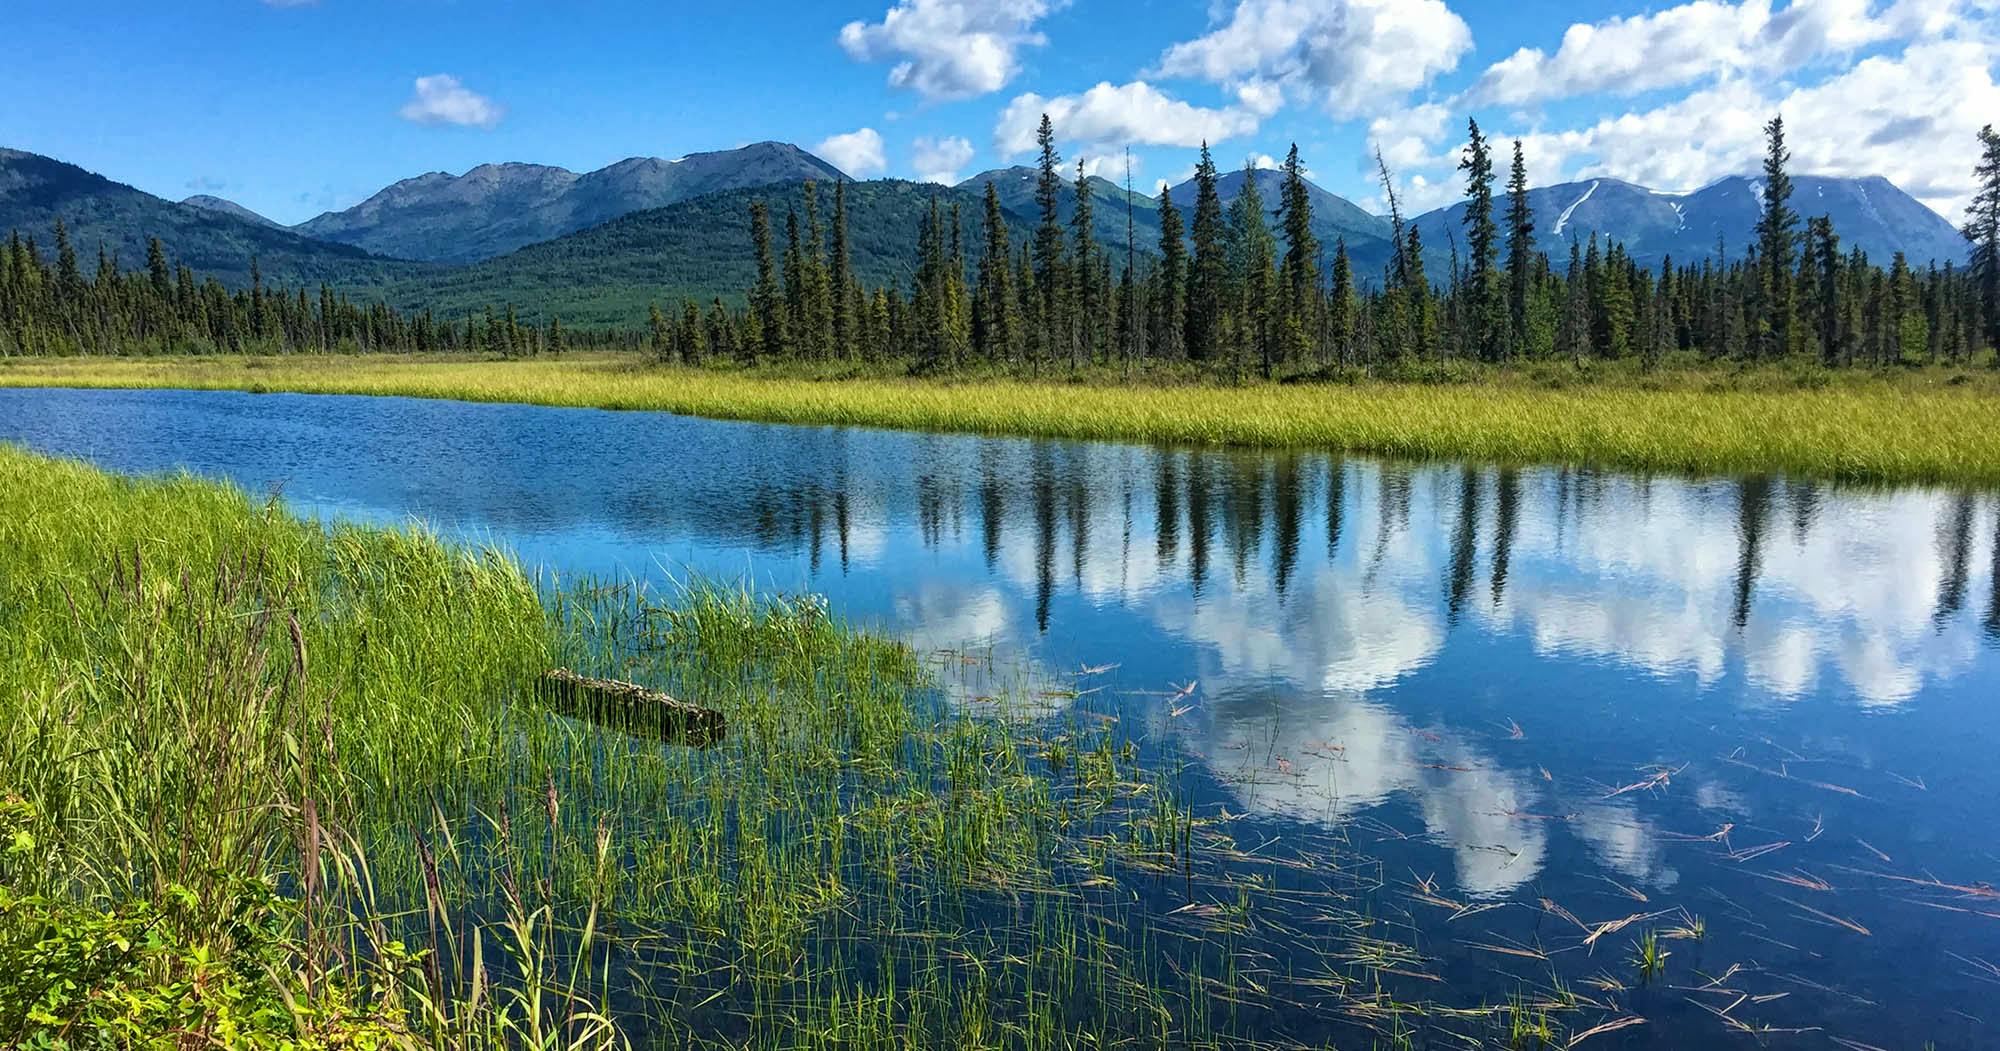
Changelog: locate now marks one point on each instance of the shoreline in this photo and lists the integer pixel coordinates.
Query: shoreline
(1937, 426)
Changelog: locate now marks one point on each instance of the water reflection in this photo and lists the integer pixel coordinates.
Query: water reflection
(1368, 638)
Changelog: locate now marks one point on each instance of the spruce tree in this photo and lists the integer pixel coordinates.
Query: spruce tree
(767, 299)
(1341, 306)
(1776, 229)
(1170, 281)
(1300, 279)
(1049, 266)
(1417, 294)
(1982, 228)
(816, 333)
(1253, 253)
(1211, 268)
(1520, 251)
(156, 268)
(660, 338)
(994, 298)
(1084, 345)
(840, 287)
(1482, 236)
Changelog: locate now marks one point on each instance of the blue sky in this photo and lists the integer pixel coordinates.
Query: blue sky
(293, 107)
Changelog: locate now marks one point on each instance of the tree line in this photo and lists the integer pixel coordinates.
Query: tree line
(1234, 290)
(49, 307)
(1248, 287)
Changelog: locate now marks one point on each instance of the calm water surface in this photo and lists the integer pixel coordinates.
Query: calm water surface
(1770, 703)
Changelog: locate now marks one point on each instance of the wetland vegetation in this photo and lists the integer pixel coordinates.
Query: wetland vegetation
(1936, 425)
(302, 767)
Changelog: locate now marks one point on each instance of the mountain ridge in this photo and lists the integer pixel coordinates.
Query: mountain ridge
(99, 212)
(496, 208)
(1868, 212)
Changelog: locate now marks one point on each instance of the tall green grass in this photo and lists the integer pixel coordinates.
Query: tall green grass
(270, 783)
(1929, 425)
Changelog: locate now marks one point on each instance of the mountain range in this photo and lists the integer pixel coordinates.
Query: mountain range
(35, 191)
(496, 208)
(1871, 214)
(597, 246)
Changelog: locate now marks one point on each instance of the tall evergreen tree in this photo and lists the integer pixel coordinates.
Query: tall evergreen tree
(1253, 254)
(1300, 278)
(767, 300)
(1210, 272)
(1170, 281)
(1341, 306)
(1049, 265)
(816, 332)
(1482, 236)
(840, 289)
(1982, 228)
(1520, 251)
(994, 298)
(796, 320)
(1088, 298)
(1417, 294)
(1776, 231)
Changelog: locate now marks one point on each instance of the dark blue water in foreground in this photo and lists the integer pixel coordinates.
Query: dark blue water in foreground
(1766, 702)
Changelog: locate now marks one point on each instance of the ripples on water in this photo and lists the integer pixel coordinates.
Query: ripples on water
(1509, 685)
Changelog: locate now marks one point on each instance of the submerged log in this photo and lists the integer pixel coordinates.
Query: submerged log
(631, 708)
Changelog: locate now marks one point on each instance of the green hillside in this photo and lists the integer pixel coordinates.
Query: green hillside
(35, 191)
(696, 249)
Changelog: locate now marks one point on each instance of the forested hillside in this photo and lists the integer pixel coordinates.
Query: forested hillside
(36, 191)
(698, 249)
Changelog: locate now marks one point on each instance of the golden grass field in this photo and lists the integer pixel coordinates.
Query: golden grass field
(1928, 425)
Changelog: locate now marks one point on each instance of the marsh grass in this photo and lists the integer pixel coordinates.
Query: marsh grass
(275, 783)
(1926, 425)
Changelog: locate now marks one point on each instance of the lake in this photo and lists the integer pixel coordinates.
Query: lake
(1538, 700)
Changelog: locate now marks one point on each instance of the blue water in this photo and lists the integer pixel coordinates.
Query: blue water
(1766, 702)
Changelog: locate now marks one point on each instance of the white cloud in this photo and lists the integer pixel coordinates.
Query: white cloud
(1347, 55)
(441, 99)
(939, 160)
(1630, 55)
(1410, 138)
(858, 153)
(1911, 118)
(949, 49)
(1691, 42)
(1134, 114)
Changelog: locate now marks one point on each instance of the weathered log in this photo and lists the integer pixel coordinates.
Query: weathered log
(631, 708)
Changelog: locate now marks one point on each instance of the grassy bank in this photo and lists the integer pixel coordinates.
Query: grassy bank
(272, 784)
(1925, 425)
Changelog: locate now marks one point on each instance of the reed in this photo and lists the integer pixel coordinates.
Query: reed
(273, 783)
(1919, 425)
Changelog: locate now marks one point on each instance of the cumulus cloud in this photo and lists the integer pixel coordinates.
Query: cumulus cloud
(949, 49)
(1694, 41)
(442, 99)
(858, 153)
(1346, 55)
(1134, 114)
(1910, 117)
(939, 160)
(1410, 138)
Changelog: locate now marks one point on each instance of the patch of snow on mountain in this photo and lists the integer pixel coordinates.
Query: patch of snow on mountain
(1563, 220)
